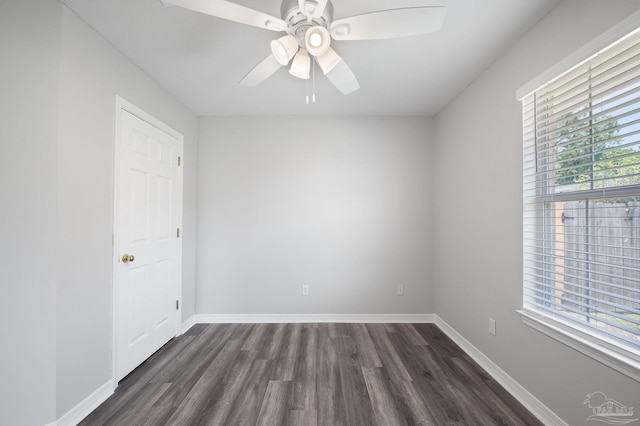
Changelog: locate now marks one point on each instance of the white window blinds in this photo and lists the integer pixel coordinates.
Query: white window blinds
(582, 198)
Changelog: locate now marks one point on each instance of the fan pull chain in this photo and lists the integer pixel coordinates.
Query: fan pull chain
(313, 83)
(306, 86)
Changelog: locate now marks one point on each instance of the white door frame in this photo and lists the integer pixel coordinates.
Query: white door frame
(120, 106)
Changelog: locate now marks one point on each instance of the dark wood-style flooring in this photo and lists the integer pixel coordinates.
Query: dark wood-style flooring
(310, 374)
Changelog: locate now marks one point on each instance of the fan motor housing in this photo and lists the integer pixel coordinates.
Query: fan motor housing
(298, 22)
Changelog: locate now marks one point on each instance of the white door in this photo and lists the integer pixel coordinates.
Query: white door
(147, 264)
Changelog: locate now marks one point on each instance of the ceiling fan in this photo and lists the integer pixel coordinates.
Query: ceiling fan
(310, 28)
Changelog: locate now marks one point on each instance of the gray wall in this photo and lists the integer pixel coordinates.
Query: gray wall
(29, 70)
(59, 80)
(343, 206)
(92, 73)
(478, 217)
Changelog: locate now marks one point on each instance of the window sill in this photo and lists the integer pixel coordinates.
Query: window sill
(583, 343)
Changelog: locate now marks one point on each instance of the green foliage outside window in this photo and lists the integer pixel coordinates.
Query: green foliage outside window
(588, 153)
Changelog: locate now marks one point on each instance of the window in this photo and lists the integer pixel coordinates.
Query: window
(582, 201)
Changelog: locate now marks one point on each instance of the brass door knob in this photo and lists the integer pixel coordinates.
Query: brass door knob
(126, 258)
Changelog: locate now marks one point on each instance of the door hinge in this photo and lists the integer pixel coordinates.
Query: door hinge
(177, 305)
(179, 160)
(178, 232)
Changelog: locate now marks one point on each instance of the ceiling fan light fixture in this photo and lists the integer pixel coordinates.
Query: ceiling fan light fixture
(317, 39)
(284, 48)
(328, 60)
(301, 65)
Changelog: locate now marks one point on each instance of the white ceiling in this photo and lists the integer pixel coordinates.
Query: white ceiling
(200, 59)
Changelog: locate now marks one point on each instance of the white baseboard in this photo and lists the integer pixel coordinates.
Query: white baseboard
(533, 404)
(311, 318)
(90, 403)
(190, 322)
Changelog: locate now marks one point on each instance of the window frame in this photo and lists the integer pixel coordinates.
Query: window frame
(582, 339)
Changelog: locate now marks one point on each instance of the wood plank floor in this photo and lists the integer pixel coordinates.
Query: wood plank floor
(310, 374)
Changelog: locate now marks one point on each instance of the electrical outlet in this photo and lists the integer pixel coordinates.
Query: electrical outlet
(492, 326)
(305, 290)
(400, 290)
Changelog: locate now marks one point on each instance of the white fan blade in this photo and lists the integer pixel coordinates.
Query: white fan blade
(342, 77)
(389, 23)
(232, 12)
(318, 9)
(312, 9)
(261, 72)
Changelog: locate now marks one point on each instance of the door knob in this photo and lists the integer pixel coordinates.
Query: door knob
(126, 258)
